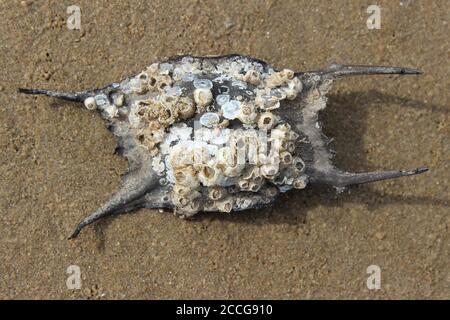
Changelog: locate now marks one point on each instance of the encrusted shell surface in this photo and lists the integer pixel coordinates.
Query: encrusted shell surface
(213, 130)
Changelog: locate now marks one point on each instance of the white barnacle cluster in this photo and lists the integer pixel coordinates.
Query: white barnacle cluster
(109, 106)
(205, 166)
(212, 128)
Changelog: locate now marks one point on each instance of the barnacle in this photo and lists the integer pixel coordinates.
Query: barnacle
(90, 103)
(202, 97)
(225, 205)
(267, 120)
(231, 109)
(248, 113)
(185, 107)
(216, 193)
(253, 77)
(223, 134)
(276, 79)
(209, 119)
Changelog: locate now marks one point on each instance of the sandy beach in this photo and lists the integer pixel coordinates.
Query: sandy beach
(57, 161)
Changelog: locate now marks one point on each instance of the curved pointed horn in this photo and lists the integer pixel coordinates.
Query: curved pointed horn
(338, 70)
(79, 96)
(343, 179)
(70, 96)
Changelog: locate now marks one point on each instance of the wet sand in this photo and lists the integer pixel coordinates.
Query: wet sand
(57, 159)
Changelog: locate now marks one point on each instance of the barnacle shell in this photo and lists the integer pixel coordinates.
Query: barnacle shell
(118, 100)
(210, 119)
(216, 193)
(110, 111)
(208, 176)
(244, 184)
(278, 78)
(247, 113)
(202, 97)
(221, 99)
(231, 109)
(267, 120)
(189, 209)
(152, 137)
(90, 104)
(253, 77)
(187, 177)
(285, 157)
(254, 186)
(299, 164)
(225, 205)
(300, 182)
(266, 101)
(251, 172)
(269, 170)
(203, 84)
(101, 100)
(295, 86)
(186, 108)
